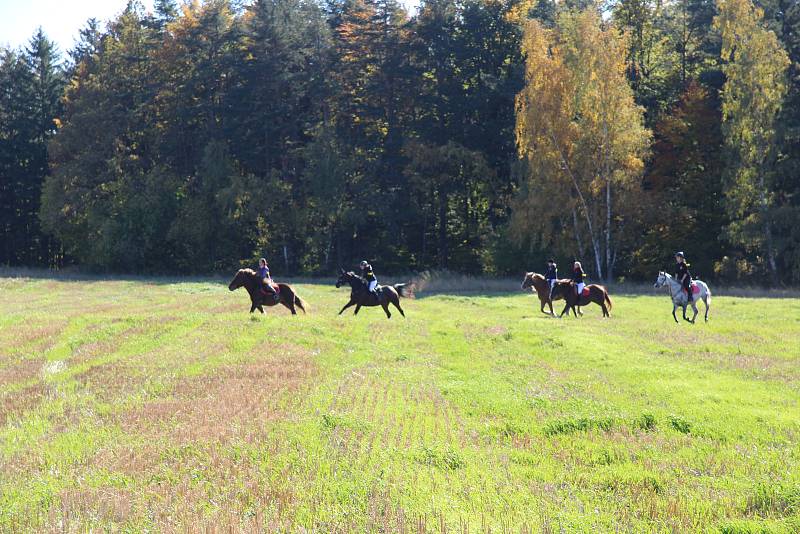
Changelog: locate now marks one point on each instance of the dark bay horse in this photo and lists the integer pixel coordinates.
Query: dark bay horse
(542, 288)
(360, 295)
(251, 281)
(598, 294)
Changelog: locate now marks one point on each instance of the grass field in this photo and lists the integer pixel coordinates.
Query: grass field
(164, 406)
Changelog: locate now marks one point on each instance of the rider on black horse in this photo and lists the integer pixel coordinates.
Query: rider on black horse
(682, 274)
(369, 277)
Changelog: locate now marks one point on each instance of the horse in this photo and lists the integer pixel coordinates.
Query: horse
(680, 298)
(566, 289)
(361, 296)
(253, 283)
(542, 288)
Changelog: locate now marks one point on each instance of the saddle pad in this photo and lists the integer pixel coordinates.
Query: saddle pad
(695, 289)
(585, 292)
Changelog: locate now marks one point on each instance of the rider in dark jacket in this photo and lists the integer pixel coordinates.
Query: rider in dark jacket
(551, 274)
(683, 275)
(577, 277)
(369, 276)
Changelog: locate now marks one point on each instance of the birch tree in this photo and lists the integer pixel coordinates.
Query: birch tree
(581, 134)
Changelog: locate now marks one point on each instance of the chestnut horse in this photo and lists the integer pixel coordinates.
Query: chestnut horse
(566, 289)
(252, 282)
(360, 295)
(542, 288)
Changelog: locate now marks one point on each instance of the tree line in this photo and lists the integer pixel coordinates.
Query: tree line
(480, 136)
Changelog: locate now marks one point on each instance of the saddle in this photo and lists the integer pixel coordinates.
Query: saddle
(695, 289)
(275, 289)
(585, 292)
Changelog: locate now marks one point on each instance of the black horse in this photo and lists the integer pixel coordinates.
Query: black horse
(361, 296)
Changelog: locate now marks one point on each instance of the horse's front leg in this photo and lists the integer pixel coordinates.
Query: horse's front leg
(261, 308)
(358, 308)
(674, 307)
(252, 307)
(566, 307)
(347, 306)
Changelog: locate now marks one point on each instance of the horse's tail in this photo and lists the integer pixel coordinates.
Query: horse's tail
(300, 303)
(607, 299)
(404, 290)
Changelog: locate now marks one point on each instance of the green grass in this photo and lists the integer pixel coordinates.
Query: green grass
(155, 405)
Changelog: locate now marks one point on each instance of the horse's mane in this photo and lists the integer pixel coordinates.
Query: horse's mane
(536, 276)
(249, 272)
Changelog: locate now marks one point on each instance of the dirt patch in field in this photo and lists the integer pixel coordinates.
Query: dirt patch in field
(18, 402)
(228, 401)
(31, 339)
(20, 371)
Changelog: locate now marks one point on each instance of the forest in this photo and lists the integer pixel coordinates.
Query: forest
(476, 136)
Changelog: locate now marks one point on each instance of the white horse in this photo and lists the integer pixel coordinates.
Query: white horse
(679, 298)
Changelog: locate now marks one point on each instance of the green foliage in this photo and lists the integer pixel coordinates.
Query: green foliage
(328, 119)
(755, 87)
(31, 85)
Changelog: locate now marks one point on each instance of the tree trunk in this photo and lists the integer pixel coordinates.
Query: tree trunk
(442, 228)
(577, 232)
(609, 263)
(770, 251)
(592, 236)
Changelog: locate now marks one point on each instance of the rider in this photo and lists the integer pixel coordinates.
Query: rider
(551, 275)
(266, 279)
(682, 274)
(369, 276)
(577, 277)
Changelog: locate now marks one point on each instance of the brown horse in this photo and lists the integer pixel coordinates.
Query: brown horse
(360, 295)
(252, 282)
(542, 288)
(598, 294)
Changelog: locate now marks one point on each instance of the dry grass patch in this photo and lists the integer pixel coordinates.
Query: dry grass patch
(228, 401)
(15, 404)
(27, 338)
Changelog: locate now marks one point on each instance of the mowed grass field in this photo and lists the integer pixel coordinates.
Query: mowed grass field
(164, 406)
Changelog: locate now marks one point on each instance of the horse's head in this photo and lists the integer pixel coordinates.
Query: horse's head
(344, 278)
(527, 281)
(240, 279)
(661, 280)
